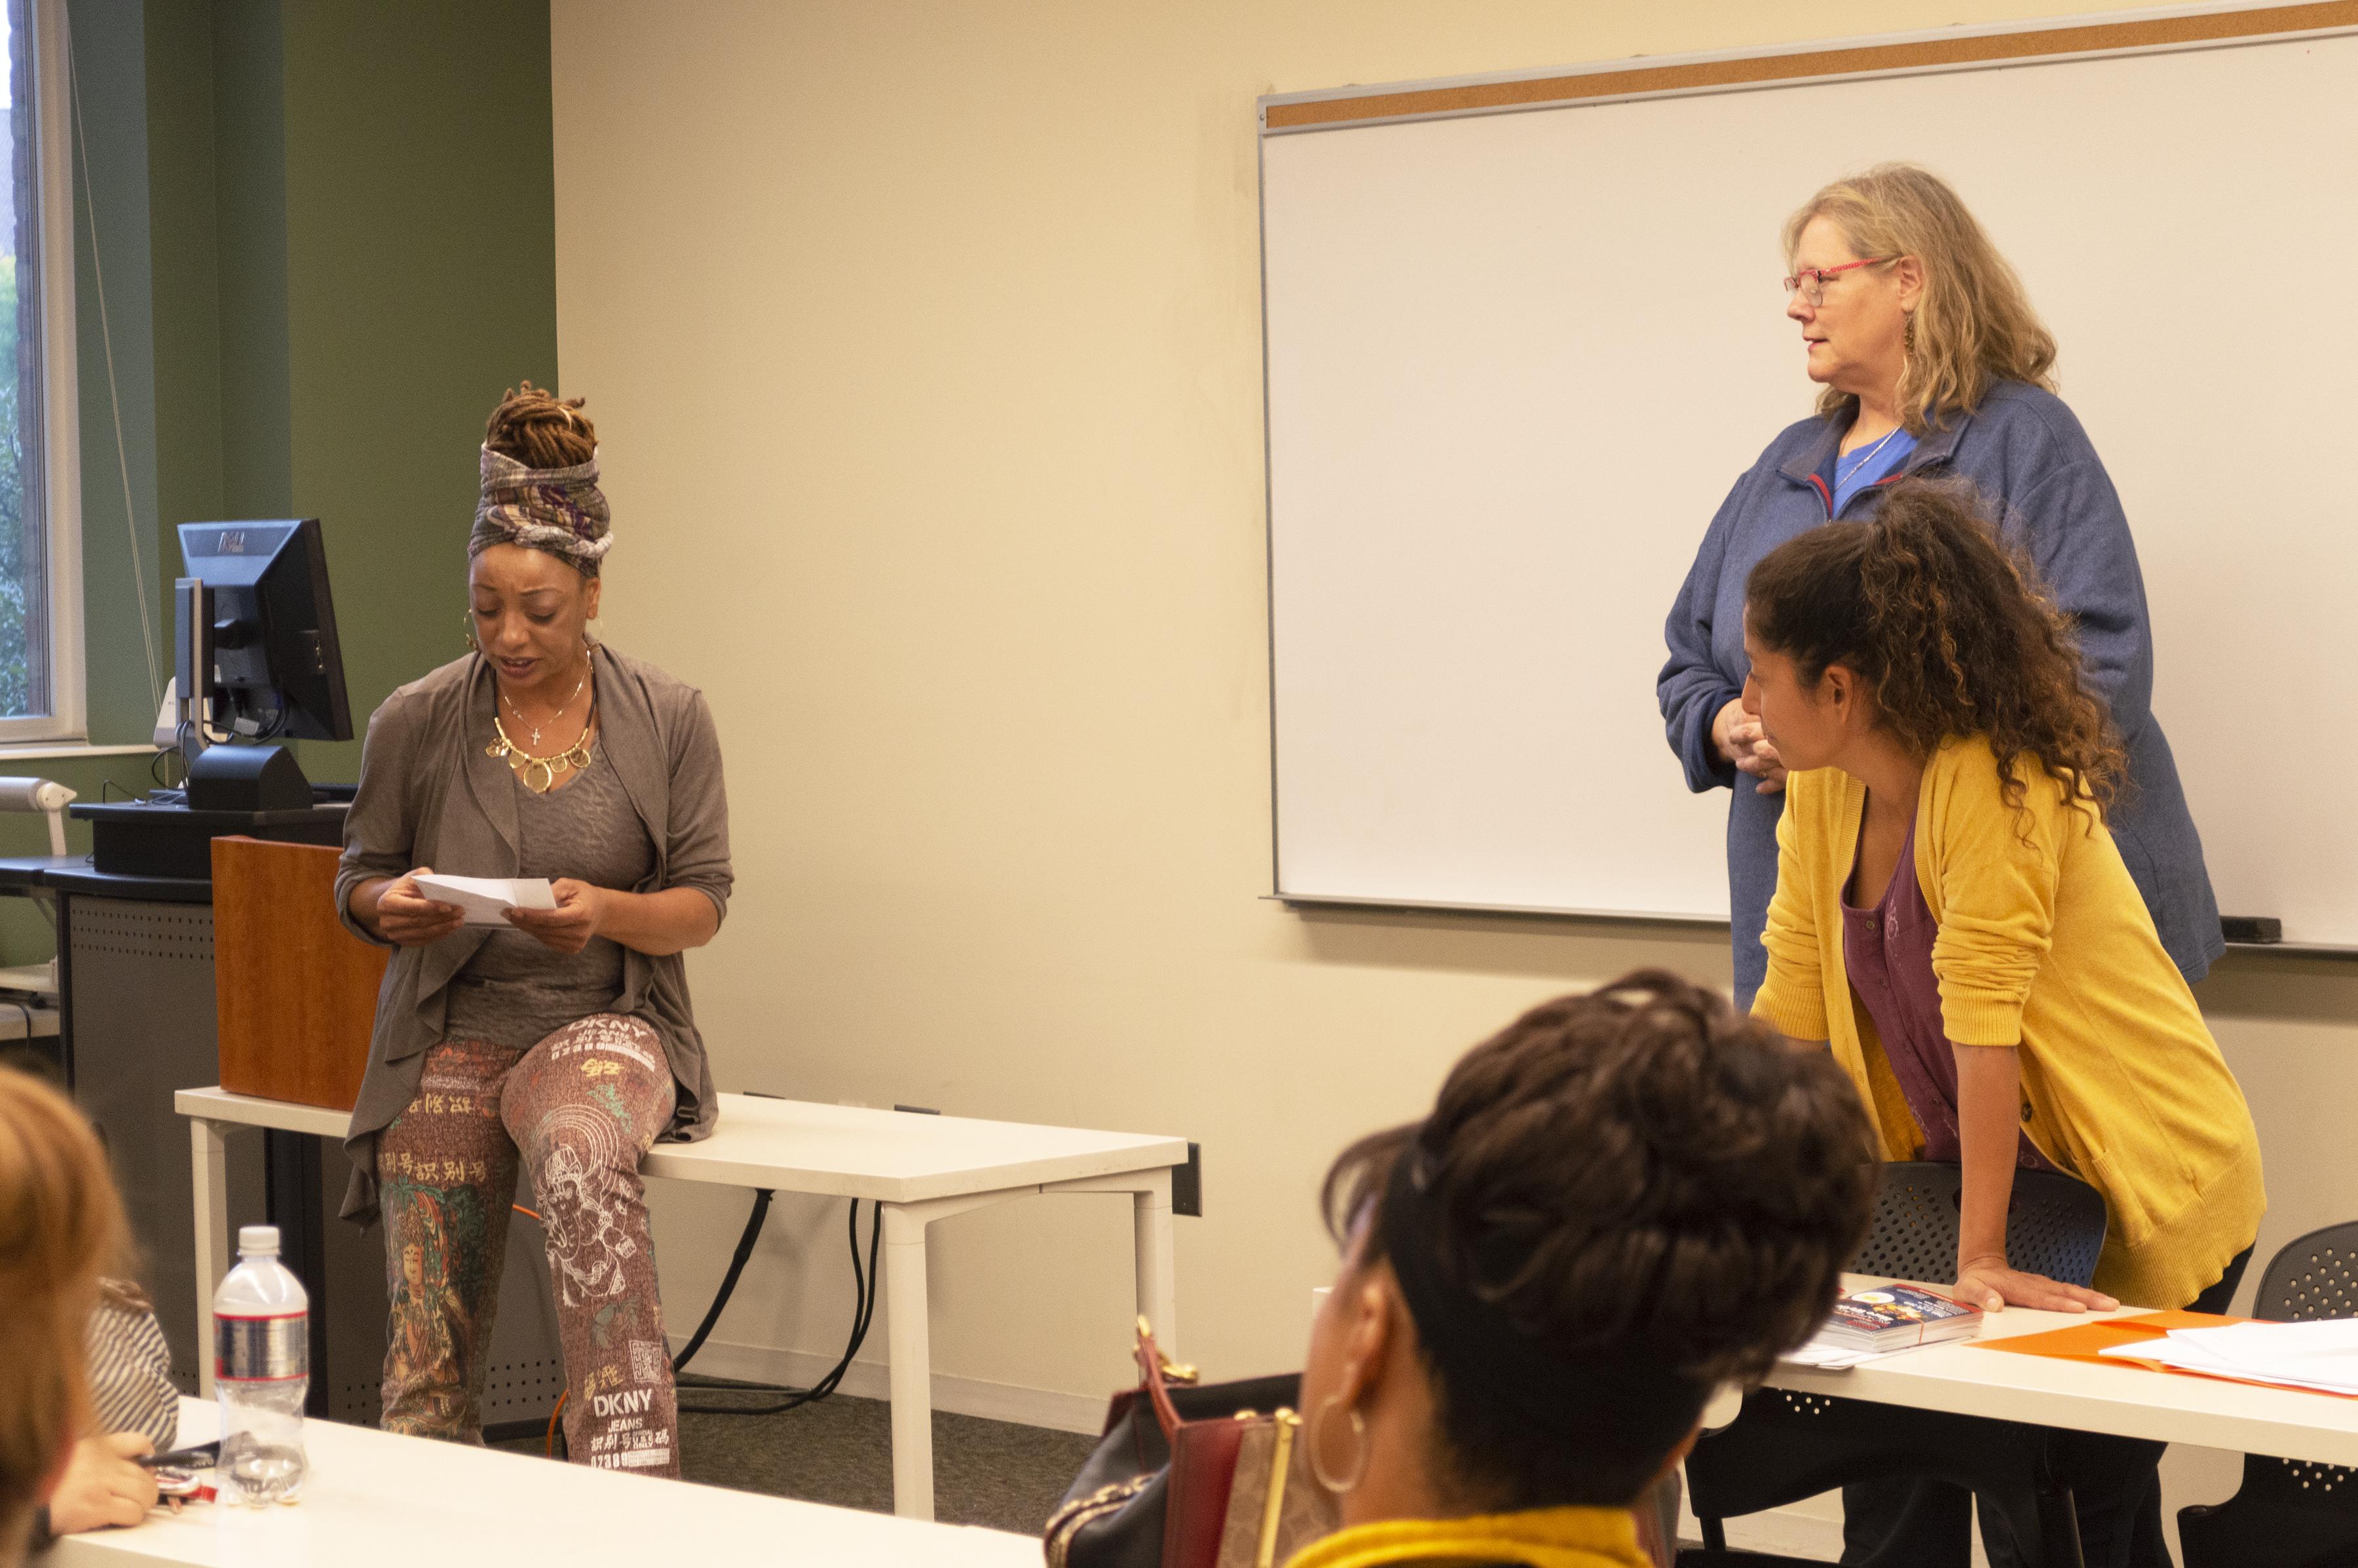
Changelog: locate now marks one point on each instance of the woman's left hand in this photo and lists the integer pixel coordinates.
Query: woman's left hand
(581, 910)
(1989, 1284)
(1753, 752)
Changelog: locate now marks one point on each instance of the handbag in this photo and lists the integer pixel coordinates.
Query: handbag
(1189, 1474)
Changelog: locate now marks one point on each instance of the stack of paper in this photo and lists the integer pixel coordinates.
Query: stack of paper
(1831, 1358)
(2322, 1354)
(487, 900)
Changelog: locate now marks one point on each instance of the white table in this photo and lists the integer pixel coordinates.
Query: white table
(374, 1500)
(27, 1018)
(2128, 1402)
(917, 1169)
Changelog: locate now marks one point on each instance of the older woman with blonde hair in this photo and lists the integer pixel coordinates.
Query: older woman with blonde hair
(1928, 359)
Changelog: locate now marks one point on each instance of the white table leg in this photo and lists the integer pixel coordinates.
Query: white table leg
(1158, 1301)
(209, 1160)
(908, 1340)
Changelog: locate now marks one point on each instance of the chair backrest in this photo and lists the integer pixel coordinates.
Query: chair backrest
(2312, 1276)
(2055, 1225)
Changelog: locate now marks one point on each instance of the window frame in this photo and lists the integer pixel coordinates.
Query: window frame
(60, 495)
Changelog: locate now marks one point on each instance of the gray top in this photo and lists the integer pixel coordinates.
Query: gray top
(516, 991)
(431, 795)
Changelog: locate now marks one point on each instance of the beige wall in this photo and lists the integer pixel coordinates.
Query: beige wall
(926, 340)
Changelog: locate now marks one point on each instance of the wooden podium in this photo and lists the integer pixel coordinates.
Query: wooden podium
(296, 992)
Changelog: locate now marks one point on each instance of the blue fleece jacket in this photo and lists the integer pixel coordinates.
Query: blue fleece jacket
(2040, 476)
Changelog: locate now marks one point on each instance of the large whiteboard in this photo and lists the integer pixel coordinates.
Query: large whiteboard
(1516, 361)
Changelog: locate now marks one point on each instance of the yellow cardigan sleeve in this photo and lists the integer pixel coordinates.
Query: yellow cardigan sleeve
(1995, 871)
(1793, 996)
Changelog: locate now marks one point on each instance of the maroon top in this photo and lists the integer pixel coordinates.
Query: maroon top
(1889, 952)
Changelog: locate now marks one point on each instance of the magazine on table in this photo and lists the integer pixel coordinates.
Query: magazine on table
(1883, 1320)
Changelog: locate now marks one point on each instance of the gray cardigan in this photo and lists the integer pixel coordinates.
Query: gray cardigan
(431, 795)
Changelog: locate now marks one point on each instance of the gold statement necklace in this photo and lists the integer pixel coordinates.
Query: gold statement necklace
(575, 757)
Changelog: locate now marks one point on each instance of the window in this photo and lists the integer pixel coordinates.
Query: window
(40, 553)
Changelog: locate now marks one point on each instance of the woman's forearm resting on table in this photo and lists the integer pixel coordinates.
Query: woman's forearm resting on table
(1989, 1096)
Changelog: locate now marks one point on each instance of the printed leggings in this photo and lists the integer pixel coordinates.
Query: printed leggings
(579, 1109)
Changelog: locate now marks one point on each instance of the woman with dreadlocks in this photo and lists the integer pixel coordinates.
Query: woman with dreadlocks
(565, 1043)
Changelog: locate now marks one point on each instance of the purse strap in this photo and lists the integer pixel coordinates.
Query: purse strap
(1156, 1373)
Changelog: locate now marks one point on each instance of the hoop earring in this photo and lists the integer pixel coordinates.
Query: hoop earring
(468, 619)
(1318, 1447)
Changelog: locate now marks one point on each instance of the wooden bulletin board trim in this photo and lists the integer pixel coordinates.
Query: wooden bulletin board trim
(1328, 112)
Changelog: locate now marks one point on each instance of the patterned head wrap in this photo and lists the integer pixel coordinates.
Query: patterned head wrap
(561, 511)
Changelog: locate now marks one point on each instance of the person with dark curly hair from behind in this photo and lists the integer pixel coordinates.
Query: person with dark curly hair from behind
(1618, 1202)
(1953, 916)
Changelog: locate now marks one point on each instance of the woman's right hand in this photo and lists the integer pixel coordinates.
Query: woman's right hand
(1987, 1282)
(1738, 736)
(404, 917)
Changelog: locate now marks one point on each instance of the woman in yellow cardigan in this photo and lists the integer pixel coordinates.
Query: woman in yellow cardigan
(1618, 1201)
(1953, 914)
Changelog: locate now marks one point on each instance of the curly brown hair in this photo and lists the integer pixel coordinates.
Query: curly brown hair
(1640, 1175)
(541, 430)
(1951, 628)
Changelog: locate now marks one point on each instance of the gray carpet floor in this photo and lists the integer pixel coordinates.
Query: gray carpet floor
(839, 1450)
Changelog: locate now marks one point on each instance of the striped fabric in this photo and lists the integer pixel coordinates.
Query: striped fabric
(130, 1368)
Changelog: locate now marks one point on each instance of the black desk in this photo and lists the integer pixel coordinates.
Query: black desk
(22, 873)
(75, 874)
(137, 1019)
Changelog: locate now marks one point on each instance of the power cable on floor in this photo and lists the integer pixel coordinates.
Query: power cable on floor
(864, 1292)
(863, 1287)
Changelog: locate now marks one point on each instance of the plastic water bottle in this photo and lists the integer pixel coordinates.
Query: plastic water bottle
(262, 1369)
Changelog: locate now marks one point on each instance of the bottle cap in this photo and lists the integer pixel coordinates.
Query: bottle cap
(258, 1240)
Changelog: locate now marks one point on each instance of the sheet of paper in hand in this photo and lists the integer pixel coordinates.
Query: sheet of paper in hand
(485, 899)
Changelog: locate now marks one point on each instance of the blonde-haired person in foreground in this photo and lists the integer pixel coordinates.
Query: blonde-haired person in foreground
(1927, 358)
(60, 1223)
(1618, 1202)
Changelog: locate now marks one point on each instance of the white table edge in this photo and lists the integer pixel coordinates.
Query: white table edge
(937, 1543)
(2128, 1402)
(1140, 1166)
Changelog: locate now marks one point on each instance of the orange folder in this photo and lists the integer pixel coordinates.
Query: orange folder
(2085, 1341)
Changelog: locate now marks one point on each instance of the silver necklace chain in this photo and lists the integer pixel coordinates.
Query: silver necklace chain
(1865, 458)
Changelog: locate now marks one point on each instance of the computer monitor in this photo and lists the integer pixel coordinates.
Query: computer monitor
(263, 614)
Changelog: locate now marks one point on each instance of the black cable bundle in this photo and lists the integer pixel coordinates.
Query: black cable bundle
(863, 1288)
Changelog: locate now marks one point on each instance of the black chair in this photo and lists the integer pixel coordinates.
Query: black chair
(1785, 1446)
(2287, 1513)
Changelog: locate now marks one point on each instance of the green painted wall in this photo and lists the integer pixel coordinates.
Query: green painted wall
(327, 235)
(421, 283)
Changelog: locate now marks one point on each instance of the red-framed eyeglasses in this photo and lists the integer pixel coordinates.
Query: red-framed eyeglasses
(1811, 283)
